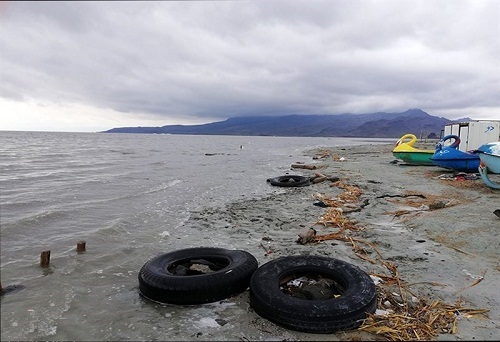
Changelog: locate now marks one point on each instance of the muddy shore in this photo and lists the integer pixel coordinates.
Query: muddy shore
(438, 231)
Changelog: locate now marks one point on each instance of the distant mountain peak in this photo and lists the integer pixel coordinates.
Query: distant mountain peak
(374, 125)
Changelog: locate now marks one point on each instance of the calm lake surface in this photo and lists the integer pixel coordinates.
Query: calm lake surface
(127, 196)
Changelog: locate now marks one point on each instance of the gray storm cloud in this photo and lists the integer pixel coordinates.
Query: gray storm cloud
(230, 58)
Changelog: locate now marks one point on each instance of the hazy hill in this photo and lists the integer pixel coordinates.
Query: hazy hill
(374, 125)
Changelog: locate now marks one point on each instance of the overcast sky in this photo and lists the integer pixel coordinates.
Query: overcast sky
(91, 66)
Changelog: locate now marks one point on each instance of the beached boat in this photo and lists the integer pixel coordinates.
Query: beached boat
(450, 157)
(489, 155)
(405, 151)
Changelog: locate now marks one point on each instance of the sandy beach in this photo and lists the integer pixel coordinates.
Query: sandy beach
(415, 229)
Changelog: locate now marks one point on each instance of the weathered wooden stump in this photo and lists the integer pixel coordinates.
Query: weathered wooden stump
(45, 259)
(80, 246)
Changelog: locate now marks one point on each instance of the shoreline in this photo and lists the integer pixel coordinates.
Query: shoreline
(439, 233)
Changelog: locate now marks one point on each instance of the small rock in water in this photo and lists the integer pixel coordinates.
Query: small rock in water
(11, 289)
(221, 322)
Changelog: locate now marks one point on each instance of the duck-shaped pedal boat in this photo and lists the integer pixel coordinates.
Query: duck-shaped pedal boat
(405, 151)
(450, 157)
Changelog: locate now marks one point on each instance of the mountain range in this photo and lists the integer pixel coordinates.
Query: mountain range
(373, 125)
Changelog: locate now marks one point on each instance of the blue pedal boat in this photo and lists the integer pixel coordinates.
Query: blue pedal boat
(489, 155)
(450, 157)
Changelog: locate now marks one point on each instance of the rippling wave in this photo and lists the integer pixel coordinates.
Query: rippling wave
(128, 196)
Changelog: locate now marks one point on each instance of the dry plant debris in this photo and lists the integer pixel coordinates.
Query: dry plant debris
(400, 314)
(322, 154)
(350, 195)
(414, 319)
(421, 202)
(326, 154)
(335, 217)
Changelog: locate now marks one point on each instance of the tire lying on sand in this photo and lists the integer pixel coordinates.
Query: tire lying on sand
(341, 305)
(289, 181)
(196, 275)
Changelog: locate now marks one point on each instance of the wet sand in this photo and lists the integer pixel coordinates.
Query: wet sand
(439, 231)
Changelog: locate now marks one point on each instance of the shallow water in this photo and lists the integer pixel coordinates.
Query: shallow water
(127, 196)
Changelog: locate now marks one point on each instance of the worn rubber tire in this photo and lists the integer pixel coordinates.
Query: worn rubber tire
(314, 316)
(290, 181)
(232, 275)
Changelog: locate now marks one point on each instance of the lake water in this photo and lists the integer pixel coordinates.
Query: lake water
(127, 196)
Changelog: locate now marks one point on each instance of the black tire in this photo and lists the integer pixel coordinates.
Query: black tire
(347, 311)
(289, 181)
(168, 278)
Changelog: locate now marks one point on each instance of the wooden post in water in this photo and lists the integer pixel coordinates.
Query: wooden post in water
(45, 259)
(80, 246)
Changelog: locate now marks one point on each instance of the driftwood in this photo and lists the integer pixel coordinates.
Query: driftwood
(303, 166)
(319, 177)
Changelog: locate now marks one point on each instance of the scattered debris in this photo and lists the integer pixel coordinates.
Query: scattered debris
(415, 319)
(268, 251)
(306, 236)
(319, 177)
(334, 217)
(459, 176)
(319, 203)
(459, 179)
(322, 154)
(313, 287)
(303, 166)
(400, 315)
(421, 202)
(497, 212)
(194, 267)
(350, 195)
(437, 205)
(477, 281)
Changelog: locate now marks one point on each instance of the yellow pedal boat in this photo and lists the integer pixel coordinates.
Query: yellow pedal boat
(405, 151)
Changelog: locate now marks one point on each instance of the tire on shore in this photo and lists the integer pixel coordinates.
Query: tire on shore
(196, 275)
(354, 294)
(290, 181)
